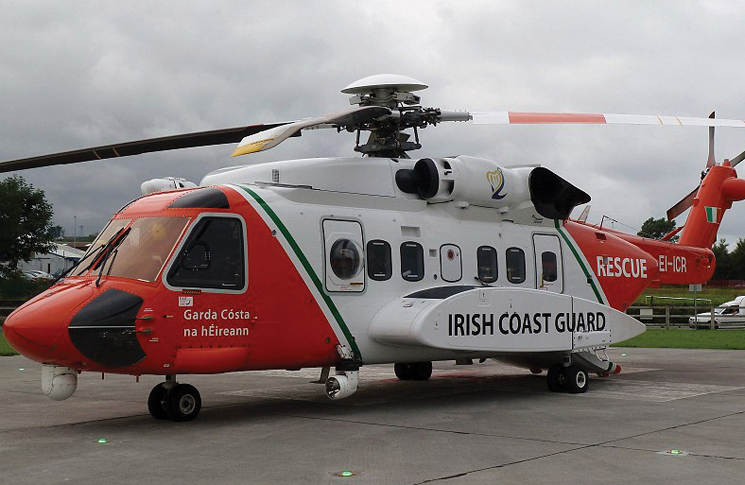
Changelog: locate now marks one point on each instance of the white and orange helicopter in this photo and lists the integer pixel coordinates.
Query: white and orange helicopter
(345, 262)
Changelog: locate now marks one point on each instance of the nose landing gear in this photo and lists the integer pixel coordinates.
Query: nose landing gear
(174, 401)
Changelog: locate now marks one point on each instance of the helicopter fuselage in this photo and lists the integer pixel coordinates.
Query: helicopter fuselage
(346, 262)
(290, 269)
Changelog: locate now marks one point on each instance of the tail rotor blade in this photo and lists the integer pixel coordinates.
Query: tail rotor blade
(682, 206)
(739, 158)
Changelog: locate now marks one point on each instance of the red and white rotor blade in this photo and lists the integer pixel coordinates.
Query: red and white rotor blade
(528, 118)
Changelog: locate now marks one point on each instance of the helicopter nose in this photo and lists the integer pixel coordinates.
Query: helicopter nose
(38, 328)
(33, 335)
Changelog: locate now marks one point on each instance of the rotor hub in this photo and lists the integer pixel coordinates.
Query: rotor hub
(394, 92)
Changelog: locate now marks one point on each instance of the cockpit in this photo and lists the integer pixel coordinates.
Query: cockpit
(211, 252)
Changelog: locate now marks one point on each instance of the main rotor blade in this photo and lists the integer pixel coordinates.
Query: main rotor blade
(681, 206)
(271, 138)
(187, 140)
(525, 118)
(711, 161)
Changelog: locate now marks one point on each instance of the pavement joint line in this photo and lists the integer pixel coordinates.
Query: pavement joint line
(439, 430)
(606, 444)
(503, 465)
(700, 455)
(609, 444)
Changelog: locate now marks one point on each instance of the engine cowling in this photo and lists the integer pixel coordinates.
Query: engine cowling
(484, 183)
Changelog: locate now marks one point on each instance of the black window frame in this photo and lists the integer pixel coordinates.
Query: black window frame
(375, 262)
(195, 238)
(493, 259)
(555, 270)
(510, 269)
(418, 257)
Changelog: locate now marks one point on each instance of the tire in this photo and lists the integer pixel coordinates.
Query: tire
(420, 371)
(556, 378)
(156, 402)
(577, 379)
(403, 371)
(183, 403)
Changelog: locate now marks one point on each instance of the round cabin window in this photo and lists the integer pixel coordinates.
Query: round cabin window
(346, 259)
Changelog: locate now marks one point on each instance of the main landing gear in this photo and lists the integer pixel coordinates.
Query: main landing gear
(413, 371)
(562, 379)
(174, 401)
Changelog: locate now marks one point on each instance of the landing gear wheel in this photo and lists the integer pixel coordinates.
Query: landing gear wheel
(577, 379)
(156, 402)
(556, 378)
(183, 403)
(403, 371)
(420, 371)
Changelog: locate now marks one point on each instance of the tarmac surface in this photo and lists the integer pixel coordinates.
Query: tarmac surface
(480, 424)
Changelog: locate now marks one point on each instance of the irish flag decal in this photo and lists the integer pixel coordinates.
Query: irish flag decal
(712, 214)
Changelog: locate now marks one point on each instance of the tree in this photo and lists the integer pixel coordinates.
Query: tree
(25, 218)
(57, 232)
(657, 228)
(737, 261)
(723, 267)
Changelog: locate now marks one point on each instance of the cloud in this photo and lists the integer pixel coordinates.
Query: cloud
(90, 73)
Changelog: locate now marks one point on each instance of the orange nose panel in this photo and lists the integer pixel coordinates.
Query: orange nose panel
(38, 329)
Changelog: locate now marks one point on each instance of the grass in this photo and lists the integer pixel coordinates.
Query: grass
(716, 295)
(676, 338)
(5, 348)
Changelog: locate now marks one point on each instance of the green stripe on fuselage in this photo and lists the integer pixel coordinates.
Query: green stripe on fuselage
(309, 269)
(588, 274)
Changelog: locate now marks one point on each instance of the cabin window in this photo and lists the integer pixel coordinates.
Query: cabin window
(550, 268)
(379, 264)
(412, 261)
(486, 260)
(212, 256)
(515, 265)
(345, 259)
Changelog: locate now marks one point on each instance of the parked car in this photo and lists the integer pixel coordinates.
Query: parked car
(36, 274)
(730, 314)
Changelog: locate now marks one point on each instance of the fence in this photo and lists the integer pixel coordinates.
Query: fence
(679, 316)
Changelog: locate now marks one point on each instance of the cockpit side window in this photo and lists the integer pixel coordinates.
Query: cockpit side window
(212, 256)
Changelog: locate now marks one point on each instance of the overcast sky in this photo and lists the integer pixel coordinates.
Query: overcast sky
(85, 73)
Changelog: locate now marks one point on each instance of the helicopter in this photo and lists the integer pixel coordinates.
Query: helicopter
(346, 262)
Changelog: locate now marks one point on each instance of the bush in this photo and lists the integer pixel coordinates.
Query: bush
(17, 287)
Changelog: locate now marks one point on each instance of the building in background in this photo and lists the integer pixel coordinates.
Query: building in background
(59, 259)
